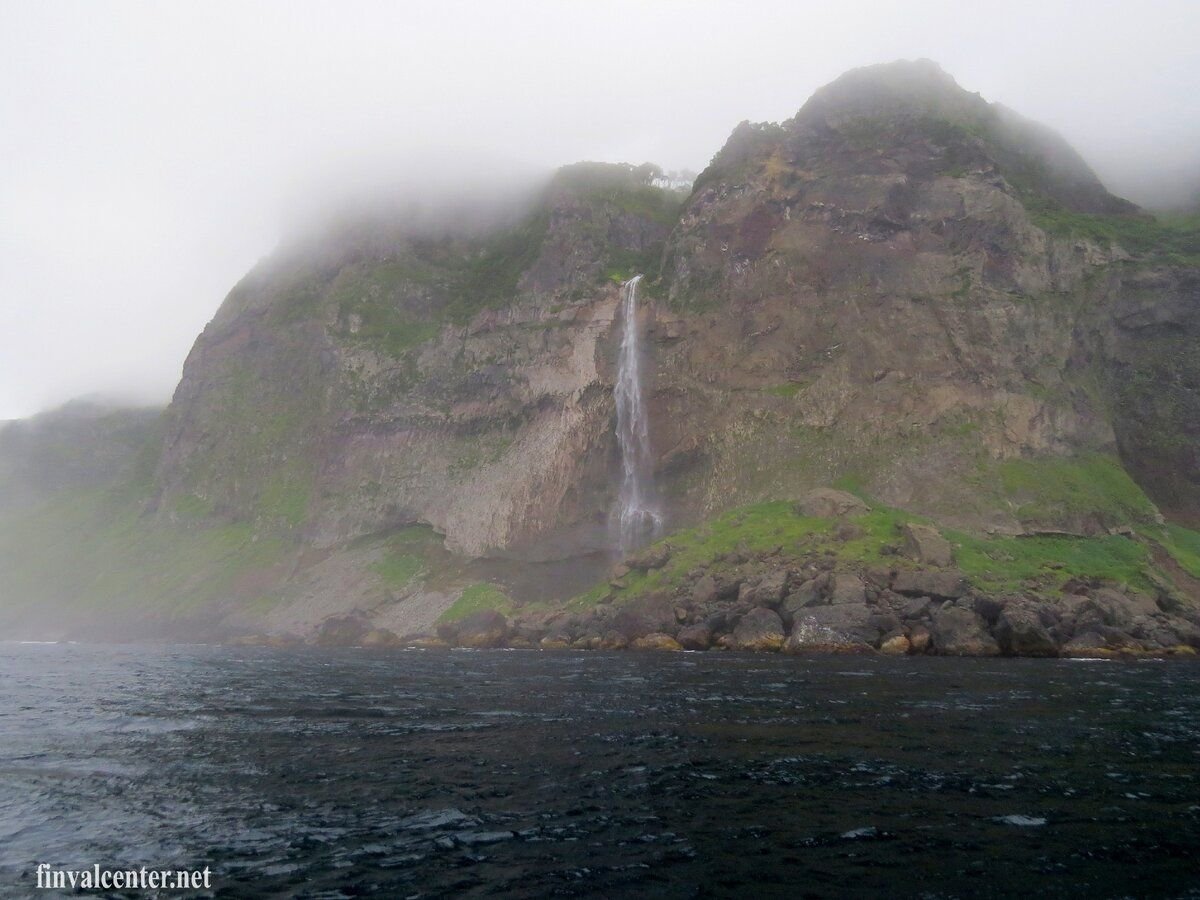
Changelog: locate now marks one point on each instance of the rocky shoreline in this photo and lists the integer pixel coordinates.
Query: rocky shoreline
(771, 602)
(826, 610)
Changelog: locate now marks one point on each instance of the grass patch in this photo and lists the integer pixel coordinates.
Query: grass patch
(1046, 562)
(478, 597)
(399, 569)
(1171, 239)
(285, 498)
(1056, 492)
(787, 390)
(1184, 546)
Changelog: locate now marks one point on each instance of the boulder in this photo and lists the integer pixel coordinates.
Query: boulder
(827, 503)
(705, 590)
(555, 642)
(654, 557)
(656, 641)
(761, 629)
(896, 645)
(1119, 610)
(910, 608)
(925, 544)
(809, 636)
(1021, 632)
(343, 631)
(381, 637)
(611, 640)
(644, 616)
(847, 587)
(480, 630)
(1154, 631)
(835, 628)
(768, 591)
(961, 632)
(885, 623)
(807, 594)
(919, 639)
(946, 585)
(695, 637)
(1090, 645)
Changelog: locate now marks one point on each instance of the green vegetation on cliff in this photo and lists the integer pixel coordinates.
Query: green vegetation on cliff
(1034, 564)
(475, 598)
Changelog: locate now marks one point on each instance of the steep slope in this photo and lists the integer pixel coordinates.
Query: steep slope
(402, 375)
(889, 289)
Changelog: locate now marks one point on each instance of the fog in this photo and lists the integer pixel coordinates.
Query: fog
(150, 153)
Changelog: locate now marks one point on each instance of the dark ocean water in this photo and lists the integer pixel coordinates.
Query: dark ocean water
(523, 774)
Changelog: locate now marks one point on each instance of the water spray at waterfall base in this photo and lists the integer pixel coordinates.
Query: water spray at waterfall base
(638, 518)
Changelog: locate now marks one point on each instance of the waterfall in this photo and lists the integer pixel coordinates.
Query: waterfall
(638, 518)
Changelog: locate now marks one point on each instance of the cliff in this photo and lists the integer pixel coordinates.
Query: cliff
(903, 290)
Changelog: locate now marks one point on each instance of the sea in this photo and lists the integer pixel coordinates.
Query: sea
(323, 773)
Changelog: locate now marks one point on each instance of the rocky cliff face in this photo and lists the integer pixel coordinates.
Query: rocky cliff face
(867, 291)
(415, 376)
(903, 289)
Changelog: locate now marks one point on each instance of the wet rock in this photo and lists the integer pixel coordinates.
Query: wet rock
(1090, 645)
(827, 503)
(644, 616)
(695, 637)
(381, 637)
(268, 640)
(919, 639)
(555, 642)
(810, 634)
(426, 642)
(896, 645)
(343, 631)
(768, 591)
(845, 625)
(847, 588)
(1021, 632)
(925, 544)
(961, 632)
(480, 630)
(760, 629)
(1155, 631)
(946, 585)
(611, 640)
(656, 641)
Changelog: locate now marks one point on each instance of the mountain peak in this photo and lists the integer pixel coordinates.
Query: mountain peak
(918, 84)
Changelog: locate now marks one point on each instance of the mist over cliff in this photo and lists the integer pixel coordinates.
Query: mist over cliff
(405, 415)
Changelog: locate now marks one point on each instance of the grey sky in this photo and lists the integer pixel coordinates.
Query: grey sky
(151, 152)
